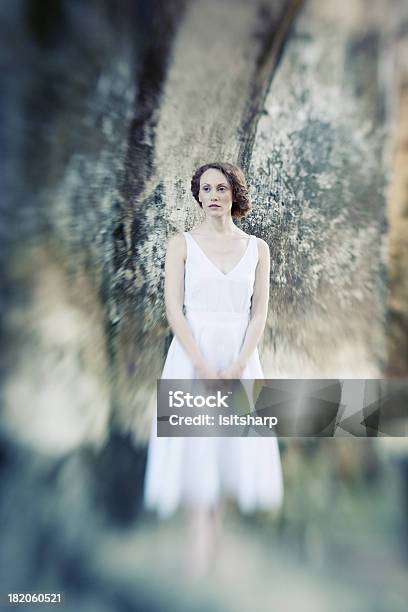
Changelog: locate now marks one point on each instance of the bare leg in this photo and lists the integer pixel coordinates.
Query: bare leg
(204, 534)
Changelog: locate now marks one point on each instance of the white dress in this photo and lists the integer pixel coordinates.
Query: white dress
(197, 471)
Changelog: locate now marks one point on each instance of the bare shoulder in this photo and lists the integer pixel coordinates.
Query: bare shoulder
(263, 248)
(177, 244)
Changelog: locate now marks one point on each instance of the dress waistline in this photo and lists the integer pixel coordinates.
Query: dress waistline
(217, 315)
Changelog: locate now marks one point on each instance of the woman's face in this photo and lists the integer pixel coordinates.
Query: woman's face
(215, 193)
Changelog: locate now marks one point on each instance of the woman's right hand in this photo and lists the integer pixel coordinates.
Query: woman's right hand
(209, 374)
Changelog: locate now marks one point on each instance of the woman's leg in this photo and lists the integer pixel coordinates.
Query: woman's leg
(204, 539)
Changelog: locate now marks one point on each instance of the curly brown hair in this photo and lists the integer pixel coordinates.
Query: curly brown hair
(241, 201)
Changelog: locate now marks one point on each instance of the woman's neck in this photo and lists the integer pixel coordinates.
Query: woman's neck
(219, 227)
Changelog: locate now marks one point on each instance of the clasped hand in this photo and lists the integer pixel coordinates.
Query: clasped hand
(233, 371)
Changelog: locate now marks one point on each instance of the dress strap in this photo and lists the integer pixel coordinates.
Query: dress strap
(188, 243)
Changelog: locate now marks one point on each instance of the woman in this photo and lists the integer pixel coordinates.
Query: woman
(221, 276)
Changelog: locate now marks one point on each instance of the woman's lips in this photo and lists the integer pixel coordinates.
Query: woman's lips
(214, 206)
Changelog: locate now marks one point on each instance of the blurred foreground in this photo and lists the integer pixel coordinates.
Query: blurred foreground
(340, 542)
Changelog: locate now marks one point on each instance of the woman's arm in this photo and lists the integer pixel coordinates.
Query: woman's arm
(174, 298)
(259, 312)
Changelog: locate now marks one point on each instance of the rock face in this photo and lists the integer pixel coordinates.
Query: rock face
(108, 112)
(318, 169)
(397, 311)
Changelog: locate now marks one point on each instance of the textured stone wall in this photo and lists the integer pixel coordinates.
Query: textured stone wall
(319, 168)
(106, 110)
(397, 319)
(108, 113)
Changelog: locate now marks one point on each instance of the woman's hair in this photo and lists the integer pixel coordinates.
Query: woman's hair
(241, 201)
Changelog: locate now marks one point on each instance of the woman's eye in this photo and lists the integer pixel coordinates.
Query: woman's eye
(222, 188)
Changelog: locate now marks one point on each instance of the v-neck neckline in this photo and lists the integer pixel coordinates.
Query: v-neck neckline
(213, 264)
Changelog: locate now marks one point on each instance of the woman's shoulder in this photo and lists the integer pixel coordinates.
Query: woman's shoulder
(177, 243)
(262, 244)
(263, 248)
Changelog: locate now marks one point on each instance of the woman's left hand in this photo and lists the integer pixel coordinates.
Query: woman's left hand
(234, 371)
